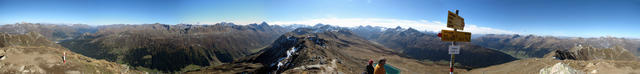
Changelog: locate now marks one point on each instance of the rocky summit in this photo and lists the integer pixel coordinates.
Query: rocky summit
(590, 53)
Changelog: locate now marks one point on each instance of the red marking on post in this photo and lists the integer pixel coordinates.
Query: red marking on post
(64, 57)
(450, 69)
(439, 34)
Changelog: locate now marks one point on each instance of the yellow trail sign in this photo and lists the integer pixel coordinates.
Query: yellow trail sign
(449, 35)
(455, 21)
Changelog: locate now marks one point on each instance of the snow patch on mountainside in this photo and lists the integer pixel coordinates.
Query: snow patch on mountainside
(285, 61)
(559, 68)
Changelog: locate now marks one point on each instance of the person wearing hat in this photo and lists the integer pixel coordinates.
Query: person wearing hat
(369, 68)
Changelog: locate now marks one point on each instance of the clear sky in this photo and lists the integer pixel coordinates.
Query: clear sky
(574, 18)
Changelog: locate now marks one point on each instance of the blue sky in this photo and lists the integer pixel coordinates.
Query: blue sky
(574, 18)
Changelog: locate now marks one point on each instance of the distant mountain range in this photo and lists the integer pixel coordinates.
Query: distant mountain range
(53, 32)
(525, 46)
(428, 46)
(324, 49)
(173, 47)
(521, 46)
(260, 48)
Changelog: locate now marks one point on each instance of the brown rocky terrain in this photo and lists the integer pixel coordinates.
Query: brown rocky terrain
(534, 66)
(590, 53)
(32, 53)
(578, 60)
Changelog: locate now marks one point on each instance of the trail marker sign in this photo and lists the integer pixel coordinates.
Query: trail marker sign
(454, 49)
(449, 35)
(457, 23)
(454, 21)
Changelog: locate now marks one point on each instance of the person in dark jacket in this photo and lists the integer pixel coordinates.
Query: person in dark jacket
(369, 68)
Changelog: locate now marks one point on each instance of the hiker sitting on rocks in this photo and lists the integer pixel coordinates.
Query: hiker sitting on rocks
(380, 67)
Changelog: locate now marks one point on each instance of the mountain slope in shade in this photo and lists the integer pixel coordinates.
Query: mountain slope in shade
(428, 46)
(171, 48)
(33, 53)
(338, 50)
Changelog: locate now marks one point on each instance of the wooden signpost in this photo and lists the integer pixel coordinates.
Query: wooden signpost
(450, 35)
(454, 21)
(457, 23)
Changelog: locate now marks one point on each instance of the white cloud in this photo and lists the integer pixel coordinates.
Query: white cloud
(422, 25)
